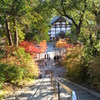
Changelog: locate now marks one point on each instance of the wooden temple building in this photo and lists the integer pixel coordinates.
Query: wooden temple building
(59, 27)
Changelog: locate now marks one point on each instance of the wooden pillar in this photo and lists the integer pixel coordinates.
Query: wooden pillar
(55, 39)
(50, 34)
(65, 27)
(60, 26)
(58, 91)
(55, 30)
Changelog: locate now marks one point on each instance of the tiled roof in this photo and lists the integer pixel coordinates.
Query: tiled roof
(54, 19)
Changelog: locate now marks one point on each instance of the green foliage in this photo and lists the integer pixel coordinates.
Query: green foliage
(19, 67)
(39, 28)
(22, 54)
(1, 81)
(28, 63)
(72, 35)
(11, 73)
(94, 73)
(41, 37)
(25, 18)
(75, 64)
(1, 53)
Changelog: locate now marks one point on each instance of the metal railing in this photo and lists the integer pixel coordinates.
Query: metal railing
(55, 83)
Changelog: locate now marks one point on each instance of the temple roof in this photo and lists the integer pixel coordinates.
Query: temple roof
(58, 19)
(54, 19)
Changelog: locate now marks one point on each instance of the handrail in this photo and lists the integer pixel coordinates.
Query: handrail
(64, 86)
(67, 89)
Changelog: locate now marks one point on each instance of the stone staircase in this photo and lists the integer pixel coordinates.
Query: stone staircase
(41, 90)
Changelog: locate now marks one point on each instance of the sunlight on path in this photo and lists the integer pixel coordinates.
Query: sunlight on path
(41, 91)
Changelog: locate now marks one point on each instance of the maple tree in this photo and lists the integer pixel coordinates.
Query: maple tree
(62, 43)
(43, 46)
(32, 48)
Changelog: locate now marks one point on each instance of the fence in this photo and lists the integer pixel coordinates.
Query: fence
(55, 83)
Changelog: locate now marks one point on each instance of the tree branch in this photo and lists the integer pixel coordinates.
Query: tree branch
(75, 4)
(82, 15)
(59, 12)
(66, 15)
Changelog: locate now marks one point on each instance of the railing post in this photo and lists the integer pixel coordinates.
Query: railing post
(58, 91)
(51, 80)
(71, 95)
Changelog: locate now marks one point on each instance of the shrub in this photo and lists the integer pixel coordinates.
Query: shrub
(19, 67)
(27, 62)
(1, 81)
(94, 73)
(1, 53)
(11, 73)
(75, 65)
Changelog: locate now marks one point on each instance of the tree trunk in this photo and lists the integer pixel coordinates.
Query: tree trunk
(15, 34)
(78, 29)
(8, 33)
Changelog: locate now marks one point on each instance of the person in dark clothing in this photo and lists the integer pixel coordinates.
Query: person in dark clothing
(45, 62)
(54, 58)
(45, 56)
(49, 57)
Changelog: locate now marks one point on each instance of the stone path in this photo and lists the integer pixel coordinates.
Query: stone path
(40, 91)
(57, 69)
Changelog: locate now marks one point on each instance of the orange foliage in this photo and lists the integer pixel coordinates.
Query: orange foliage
(64, 44)
(43, 46)
(32, 48)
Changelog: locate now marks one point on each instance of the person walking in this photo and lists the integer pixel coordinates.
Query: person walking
(54, 58)
(45, 56)
(45, 61)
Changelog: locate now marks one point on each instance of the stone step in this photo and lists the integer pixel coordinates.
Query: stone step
(40, 91)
